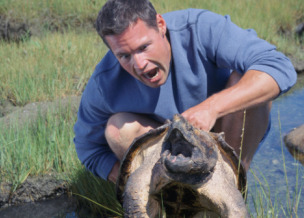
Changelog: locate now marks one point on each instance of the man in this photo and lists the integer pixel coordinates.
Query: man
(192, 62)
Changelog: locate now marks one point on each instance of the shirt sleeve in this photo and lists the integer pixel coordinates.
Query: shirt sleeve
(230, 46)
(91, 146)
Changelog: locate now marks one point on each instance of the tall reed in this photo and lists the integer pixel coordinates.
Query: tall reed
(55, 66)
(60, 64)
(38, 146)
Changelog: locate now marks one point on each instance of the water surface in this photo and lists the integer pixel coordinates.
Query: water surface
(268, 180)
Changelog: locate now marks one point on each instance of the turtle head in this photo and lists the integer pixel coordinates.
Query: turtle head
(189, 154)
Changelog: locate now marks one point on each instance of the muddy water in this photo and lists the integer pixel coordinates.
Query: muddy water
(59, 207)
(279, 183)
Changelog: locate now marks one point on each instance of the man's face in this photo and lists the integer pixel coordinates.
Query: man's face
(143, 52)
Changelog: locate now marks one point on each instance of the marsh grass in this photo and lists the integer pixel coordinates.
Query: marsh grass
(38, 147)
(261, 198)
(268, 203)
(266, 200)
(59, 60)
(54, 15)
(95, 193)
(59, 64)
(44, 69)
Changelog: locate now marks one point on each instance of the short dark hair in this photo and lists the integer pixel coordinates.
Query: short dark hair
(117, 15)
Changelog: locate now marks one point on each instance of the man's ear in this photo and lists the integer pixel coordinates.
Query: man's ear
(161, 24)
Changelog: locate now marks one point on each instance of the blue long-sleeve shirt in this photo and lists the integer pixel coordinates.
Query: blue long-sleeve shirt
(205, 48)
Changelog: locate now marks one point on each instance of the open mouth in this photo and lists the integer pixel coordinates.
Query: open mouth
(151, 74)
(185, 161)
(180, 156)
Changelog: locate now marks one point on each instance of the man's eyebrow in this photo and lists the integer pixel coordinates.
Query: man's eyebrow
(121, 53)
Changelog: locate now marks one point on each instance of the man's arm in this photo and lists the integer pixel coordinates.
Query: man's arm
(266, 72)
(254, 88)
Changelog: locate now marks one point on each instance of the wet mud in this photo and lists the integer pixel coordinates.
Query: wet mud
(13, 30)
(57, 207)
(36, 191)
(31, 190)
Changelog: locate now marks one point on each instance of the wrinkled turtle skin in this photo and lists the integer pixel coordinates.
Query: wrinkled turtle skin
(294, 141)
(177, 170)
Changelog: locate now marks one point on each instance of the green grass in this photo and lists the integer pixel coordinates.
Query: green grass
(267, 197)
(59, 64)
(38, 147)
(44, 69)
(52, 65)
(51, 14)
(45, 145)
(268, 203)
(95, 193)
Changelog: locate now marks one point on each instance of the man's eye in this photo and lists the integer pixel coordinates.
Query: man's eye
(124, 56)
(143, 48)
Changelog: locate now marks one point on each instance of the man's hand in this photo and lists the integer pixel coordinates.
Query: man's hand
(114, 173)
(201, 116)
(252, 89)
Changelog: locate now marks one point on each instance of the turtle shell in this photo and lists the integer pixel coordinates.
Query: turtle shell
(172, 164)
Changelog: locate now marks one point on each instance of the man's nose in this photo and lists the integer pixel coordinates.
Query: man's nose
(139, 62)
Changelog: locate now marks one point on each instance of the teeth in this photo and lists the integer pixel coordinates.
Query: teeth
(181, 155)
(152, 74)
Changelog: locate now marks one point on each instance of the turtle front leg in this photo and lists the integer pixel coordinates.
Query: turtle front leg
(138, 198)
(137, 201)
(221, 194)
(136, 194)
(158, 181)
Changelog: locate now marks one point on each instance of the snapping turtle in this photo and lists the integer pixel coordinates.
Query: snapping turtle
(181, 171)
(294, 141)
